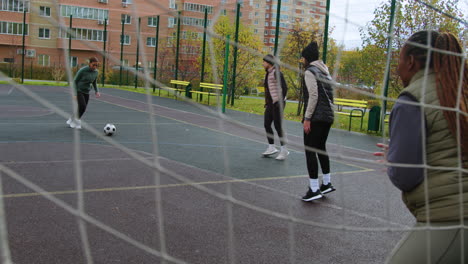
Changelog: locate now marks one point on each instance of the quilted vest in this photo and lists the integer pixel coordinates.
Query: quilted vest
(324, 108)
(443, 203)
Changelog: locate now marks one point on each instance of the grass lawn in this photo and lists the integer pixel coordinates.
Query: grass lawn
(251, 104)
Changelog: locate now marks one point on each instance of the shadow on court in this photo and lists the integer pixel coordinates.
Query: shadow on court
(207, 197)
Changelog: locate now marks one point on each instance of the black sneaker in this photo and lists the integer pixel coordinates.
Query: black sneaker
(310, 195)
(327, 188)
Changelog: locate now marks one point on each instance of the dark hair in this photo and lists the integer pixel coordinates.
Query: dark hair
(311, 52)
(93, 59)
(447, 68)
(270, 59)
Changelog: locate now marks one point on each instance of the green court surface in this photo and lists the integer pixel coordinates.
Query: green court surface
(193, 186)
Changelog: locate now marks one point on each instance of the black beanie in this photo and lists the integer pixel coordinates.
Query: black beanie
(270, 59)
(311, 52)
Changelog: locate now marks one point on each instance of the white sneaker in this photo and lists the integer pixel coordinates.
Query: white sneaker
(78, 124)
(270, 151)
(72, 124)
(69, 121)
(283, 154)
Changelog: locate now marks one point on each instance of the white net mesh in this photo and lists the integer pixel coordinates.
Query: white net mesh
(244, 205)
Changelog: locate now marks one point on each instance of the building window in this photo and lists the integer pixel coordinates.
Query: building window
(126, 1)
(44, 11)
(256, 22)
(12, 28)
(127, 19)
(255, 31)
(14, 5)
(172, 21)
(198, 8)
(43, 60)
(172, 4)
(44, 33)
(152, 21)
(151, 42)
(126, 39)
(84, 12)
(193, 21)
(73, 61)
(84, 34)
(272, 40)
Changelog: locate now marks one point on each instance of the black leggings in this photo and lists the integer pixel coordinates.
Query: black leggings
(273, 115)
(317, 139)
(82, 99)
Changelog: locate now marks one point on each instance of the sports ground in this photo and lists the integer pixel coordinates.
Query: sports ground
(201, 194)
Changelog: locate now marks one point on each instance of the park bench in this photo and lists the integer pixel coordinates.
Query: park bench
(176, 89)
(208, 89)
(358, 109)
(259, 90)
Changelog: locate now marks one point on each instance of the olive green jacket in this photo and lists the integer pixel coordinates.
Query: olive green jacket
(443, 158)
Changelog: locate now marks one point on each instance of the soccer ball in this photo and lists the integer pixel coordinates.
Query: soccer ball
(109, 130)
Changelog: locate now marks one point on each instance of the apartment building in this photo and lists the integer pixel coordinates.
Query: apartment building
(47, 27)
(264, 16)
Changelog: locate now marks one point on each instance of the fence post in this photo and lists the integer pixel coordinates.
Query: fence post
(177, 46)
(225, 74)
(278, 13)
(156, 53)
(24, 46)
(202, 77)
(389, 58)
(70, 36)
(234, 66)
(104, 53)
(122, 38)
(325, 33)
(137, 52)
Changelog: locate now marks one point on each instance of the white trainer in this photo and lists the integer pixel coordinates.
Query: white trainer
(78, 124)
(69, 121)
(270, 151)
(72, 124)
(283, 154)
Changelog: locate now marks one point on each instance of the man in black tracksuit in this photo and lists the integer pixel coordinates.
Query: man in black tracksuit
(275, 100)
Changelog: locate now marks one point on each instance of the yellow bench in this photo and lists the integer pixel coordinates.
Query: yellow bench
(358, 109)
(214, 89)
(260, 89)
(176, 89)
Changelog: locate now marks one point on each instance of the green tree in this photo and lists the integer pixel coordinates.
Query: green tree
(249, 71)
(300, 35)
(410, 17)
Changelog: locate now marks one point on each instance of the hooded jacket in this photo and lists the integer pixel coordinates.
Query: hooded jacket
(318, 93)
